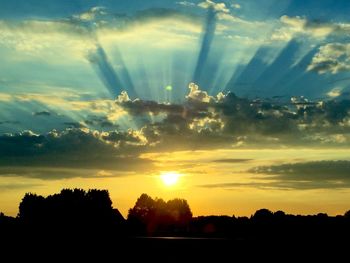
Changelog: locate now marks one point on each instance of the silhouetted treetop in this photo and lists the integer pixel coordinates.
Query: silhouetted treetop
(75, 206)
(153, 215)
(263, 215)
(347, 214)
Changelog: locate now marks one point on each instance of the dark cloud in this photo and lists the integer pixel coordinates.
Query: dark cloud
(152, 14)
(281, 185)
(296, 176)
(42, 113)
(231, 160)
(319, 170)
(201, 122)
(228, 118)
(100, 122)
(26, 152)
(76, 125)
(139, 107)
(306, 175)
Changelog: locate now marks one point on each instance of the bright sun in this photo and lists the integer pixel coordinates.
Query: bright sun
(170, 178)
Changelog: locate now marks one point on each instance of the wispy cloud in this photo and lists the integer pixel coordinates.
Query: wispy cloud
(230, 160)
(294, 26)
(186, 3)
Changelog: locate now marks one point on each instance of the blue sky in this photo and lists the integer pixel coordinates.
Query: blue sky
(64, 63)
(109, 83)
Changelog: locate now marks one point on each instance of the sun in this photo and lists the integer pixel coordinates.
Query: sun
(170, 178)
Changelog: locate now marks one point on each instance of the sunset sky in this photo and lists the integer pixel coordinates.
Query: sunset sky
(233, 105)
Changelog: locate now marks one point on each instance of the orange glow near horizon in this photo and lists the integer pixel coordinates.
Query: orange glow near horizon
(216, 182)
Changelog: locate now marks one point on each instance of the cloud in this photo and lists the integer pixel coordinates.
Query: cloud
(5, 97)
(76, 125)
(243, 122)
(186, 3)
(30, 154)
(308, 175)
(76, 36)
(42, 113)
(336, 92)
(315, 175)
(198, 95)
(294, 26)
(218, 7)
(16, 186)
(296, 22)
(236, 6)
(59, 173)
(71, 108)
(97, 142)
(207, 124)
(45, 39)
(139, 107)
(280, 185)
(230, 160)
(100, 122)
(92, 14)
(331, 58)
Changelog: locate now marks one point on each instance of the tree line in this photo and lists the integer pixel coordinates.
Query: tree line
(92, 211)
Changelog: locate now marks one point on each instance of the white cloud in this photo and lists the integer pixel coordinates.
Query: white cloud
(297, 22)
(207, 124)
(292, 26)
(332, 58)
(218, 7)
(330, 138)
(70, 102)
(230, 18)
(336, 92)
(123, 97)
(171, 33)
(92, 14)
(185, 3)
(45, 39)
(5, 97)
(198, 95)
(72, 38)
(236, 6)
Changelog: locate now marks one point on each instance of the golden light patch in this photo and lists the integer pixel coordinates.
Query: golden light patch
(170, 178)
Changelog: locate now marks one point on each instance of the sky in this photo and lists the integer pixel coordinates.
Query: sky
(244, 103)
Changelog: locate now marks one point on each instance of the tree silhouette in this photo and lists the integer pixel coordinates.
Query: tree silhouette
(154, 216)
(70, 207)
(347, 214)
(32, 208)
(90, 213)
(263, 215)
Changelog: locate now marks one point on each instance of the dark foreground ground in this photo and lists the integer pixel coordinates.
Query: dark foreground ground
(105, 248)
